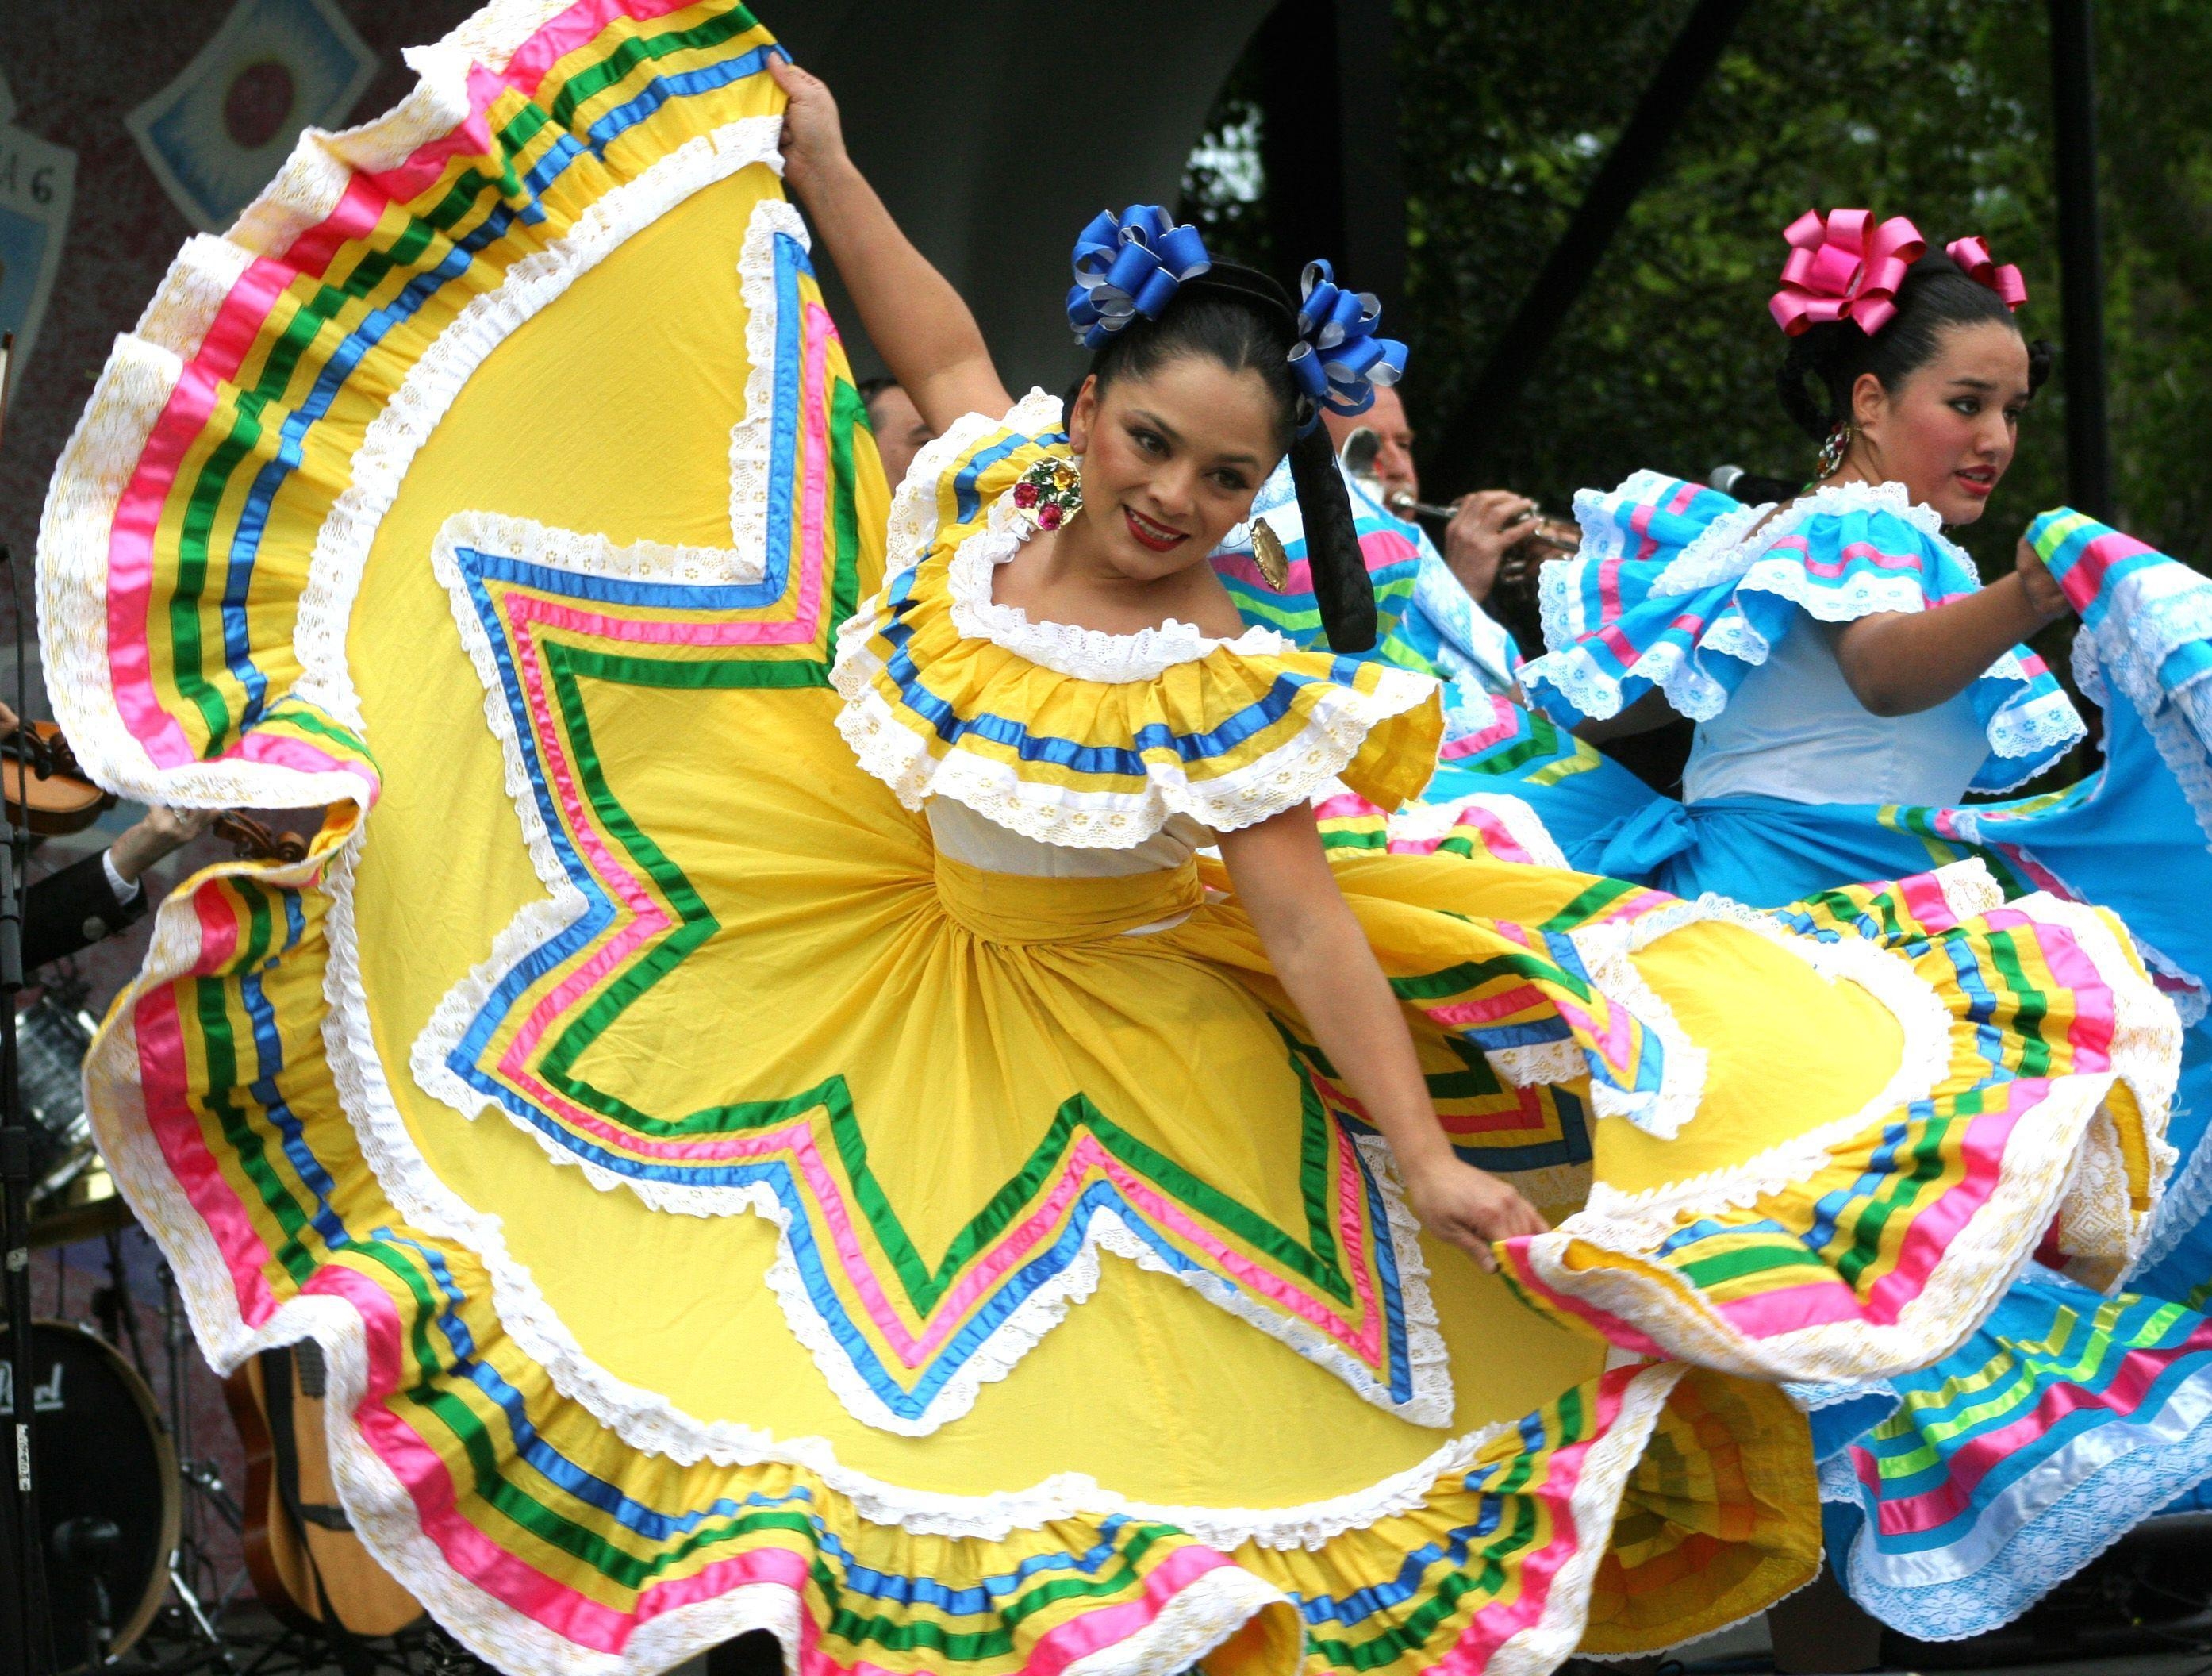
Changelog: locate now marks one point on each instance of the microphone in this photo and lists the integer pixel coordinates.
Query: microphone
(1750, 487)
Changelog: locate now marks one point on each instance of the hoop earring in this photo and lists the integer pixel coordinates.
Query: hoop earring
(1834, 450)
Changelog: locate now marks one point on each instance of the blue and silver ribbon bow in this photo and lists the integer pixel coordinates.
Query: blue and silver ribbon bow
(1338, 360)
(1129, 266)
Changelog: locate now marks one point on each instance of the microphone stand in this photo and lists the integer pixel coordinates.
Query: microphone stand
(31, 1652)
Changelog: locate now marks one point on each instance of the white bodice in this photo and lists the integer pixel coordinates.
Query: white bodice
(976, 840)
(1794, 730)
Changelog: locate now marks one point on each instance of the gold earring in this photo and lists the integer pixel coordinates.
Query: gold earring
(1268, 554)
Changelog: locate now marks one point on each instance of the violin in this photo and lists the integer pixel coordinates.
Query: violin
(46, 789)
(253, 840)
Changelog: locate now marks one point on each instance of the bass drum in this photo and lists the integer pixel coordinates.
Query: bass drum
(101, 1454)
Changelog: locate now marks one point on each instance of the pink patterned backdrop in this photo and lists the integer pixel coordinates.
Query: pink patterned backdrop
(76, 67)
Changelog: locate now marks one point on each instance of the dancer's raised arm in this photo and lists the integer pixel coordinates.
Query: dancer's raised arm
(916, 320)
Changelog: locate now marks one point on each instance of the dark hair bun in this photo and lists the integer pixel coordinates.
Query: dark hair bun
(1805, 378)
(1824, 361)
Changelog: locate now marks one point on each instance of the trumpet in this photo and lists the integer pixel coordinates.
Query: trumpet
(1400, 502)
(1538, 531)
(1358, 457)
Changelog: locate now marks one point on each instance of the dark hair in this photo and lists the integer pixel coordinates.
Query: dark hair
(1936, 295)
(870, 388)
(1246, 322)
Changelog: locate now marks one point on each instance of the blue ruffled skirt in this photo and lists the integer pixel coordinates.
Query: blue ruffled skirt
(1960, 1494)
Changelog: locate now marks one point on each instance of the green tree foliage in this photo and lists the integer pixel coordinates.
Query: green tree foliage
(1936, 109)
(2155, 108)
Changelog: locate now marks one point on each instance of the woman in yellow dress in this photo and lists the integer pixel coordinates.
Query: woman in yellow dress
(693, 1086)
(1170, 455)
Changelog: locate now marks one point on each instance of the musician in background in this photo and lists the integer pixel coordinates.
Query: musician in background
(95, 898)
(901, 431)
(1449, 620)
(1483, 525)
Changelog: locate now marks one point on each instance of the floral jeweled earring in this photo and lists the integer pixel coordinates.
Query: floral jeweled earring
(1834, 450)
(1050, 491)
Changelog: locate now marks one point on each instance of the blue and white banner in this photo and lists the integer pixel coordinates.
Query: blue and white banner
(217, 134)
(38, 181)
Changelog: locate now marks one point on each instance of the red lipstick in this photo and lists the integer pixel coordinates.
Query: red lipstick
(1154, 538)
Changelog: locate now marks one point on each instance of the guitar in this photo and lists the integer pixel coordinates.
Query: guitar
(308, 1566)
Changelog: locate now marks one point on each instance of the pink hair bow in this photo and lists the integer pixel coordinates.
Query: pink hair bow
(1973, 255)
(1842, 267)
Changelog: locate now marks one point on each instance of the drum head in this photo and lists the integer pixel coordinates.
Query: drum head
(101, 1454)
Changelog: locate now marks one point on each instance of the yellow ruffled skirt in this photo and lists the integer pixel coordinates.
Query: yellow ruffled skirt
(910, 1260)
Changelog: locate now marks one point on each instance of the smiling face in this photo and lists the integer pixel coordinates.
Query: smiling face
(1948, 431)
(1171, 460)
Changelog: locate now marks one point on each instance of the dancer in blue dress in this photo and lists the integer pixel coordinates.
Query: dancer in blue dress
(1853, 681)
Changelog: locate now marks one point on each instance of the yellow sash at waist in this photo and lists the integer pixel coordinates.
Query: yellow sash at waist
(1016, 908)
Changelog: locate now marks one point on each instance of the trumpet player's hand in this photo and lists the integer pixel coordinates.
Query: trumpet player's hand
(1483, 525)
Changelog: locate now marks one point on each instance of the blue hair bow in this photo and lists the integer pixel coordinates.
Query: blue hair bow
(1338, 360)
(1129, 266)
